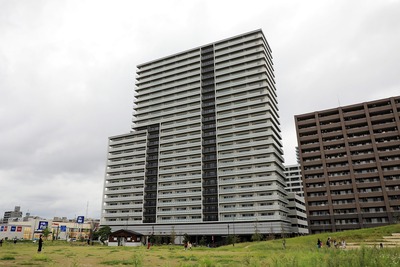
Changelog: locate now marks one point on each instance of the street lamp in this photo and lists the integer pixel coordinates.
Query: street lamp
(234, 234)
(228, 237)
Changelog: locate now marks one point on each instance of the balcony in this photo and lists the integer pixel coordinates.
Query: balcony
(331, 125)
(128, 206)
(176, 162)
(129, 198)
(122, 176)
(121, 223)
(179, 195)
(122, 214)
(174, 203)
(123, 191)
(164, 66)
(328, 118)
(160, 212)
(128, 183)
(182, 186)
(357, 129)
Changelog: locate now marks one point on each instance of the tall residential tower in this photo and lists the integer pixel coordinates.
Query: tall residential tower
(204, 154)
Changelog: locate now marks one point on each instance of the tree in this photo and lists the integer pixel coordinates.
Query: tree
(203, 241)
(157, 240)
(256, 236)
(152, 239)
(271, 233)
(283, 235)
(172, 236)
(102, 233)
(235, 239)
(46, 232)
(232, 239)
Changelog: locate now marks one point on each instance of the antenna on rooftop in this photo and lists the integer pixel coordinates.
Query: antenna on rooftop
(87, 209)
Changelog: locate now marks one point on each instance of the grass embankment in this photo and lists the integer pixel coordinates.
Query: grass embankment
(300, 251)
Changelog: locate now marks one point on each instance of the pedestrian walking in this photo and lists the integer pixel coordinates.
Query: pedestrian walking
(328, 242)
(319, 243)
(40, 244)
(343, 243)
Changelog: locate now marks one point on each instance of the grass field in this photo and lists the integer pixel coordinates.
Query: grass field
(300, 251)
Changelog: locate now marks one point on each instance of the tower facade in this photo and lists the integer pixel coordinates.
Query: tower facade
(294, 183)
(350, 163)
(204, 154)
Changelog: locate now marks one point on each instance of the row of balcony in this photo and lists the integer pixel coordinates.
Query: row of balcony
(168, 73)
(170, 63)
(243, 45)
(146, 102)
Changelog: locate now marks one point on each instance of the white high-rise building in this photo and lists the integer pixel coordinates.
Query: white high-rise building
(297, 204)
(294, 183)
(204, 156)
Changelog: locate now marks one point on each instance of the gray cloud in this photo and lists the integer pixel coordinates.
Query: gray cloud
(67, 74)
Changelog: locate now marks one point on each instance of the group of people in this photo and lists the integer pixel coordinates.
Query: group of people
(332, 243)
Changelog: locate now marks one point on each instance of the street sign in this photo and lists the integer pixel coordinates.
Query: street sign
(43, 225)
(80, 219)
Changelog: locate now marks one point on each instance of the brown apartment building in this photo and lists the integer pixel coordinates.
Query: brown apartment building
(350, 163)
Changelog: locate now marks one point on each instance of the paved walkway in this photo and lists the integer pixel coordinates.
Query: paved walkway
(387, 242)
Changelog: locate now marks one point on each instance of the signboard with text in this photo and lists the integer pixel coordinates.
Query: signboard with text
(63, 228)
(13, 228)
(80, 219)
(43, 225)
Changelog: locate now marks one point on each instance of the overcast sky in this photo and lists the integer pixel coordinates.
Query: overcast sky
(67, 74)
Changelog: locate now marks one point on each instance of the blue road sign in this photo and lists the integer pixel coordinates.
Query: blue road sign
(80, 219)
(43, 225)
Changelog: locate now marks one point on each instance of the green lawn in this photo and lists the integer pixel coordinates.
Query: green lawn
(300, 251)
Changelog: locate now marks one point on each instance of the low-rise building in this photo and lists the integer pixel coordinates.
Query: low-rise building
(32, 228)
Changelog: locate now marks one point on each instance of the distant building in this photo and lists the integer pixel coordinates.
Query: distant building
(297, 214)
(350, 164)
(32, 228)
(297, 155)
(16, 214)
(296, 205)
(294, 181)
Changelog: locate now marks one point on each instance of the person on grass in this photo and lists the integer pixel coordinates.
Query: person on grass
(40, 244)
